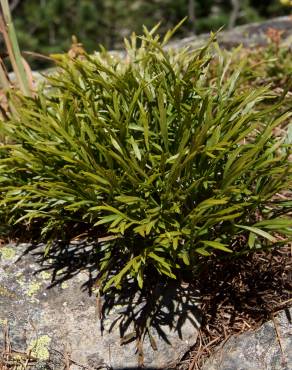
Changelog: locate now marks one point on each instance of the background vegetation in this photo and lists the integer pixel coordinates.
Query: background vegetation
(46, 26)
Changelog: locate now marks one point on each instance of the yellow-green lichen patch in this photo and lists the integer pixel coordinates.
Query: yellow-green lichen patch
(4, 292)
(19, 358)
(33, 288)
(20, 279)
(45, 275)
(3, 322)
(7, 253)
(39, 347)
(64, 285)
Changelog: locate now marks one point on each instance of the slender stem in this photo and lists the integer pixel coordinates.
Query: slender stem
(9, 34)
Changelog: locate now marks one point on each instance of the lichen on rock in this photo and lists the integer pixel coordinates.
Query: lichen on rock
(7, 253)
(33, 288)
(40, 347)
(45, 275)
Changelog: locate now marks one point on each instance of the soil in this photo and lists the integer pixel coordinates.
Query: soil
(240, 295)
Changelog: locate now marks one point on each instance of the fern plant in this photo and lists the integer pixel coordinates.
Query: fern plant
(168, 164)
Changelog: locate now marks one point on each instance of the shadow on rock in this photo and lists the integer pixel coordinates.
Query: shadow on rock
(64, 261)
(164, 308)
(161, 320)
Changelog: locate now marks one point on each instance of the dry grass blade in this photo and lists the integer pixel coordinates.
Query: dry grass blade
(3, 76)
(11, 43)
(29, 76)
(11, 359)
(278, 336)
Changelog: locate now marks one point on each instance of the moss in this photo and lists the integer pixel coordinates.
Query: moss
(7, 253)
(39, 347)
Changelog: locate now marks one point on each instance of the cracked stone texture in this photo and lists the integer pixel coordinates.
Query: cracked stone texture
(64, 317)
(257, 350)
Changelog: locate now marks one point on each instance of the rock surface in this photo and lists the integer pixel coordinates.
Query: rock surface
(259, 350)
(64, 318)
(249, 35)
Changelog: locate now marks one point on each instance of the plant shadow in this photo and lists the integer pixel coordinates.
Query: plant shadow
(162, 310)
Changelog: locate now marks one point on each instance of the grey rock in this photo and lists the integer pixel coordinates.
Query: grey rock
(249, 35)
(65, 317)
(258, 349)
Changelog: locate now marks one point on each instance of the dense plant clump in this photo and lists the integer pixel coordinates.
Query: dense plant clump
(168, 163)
